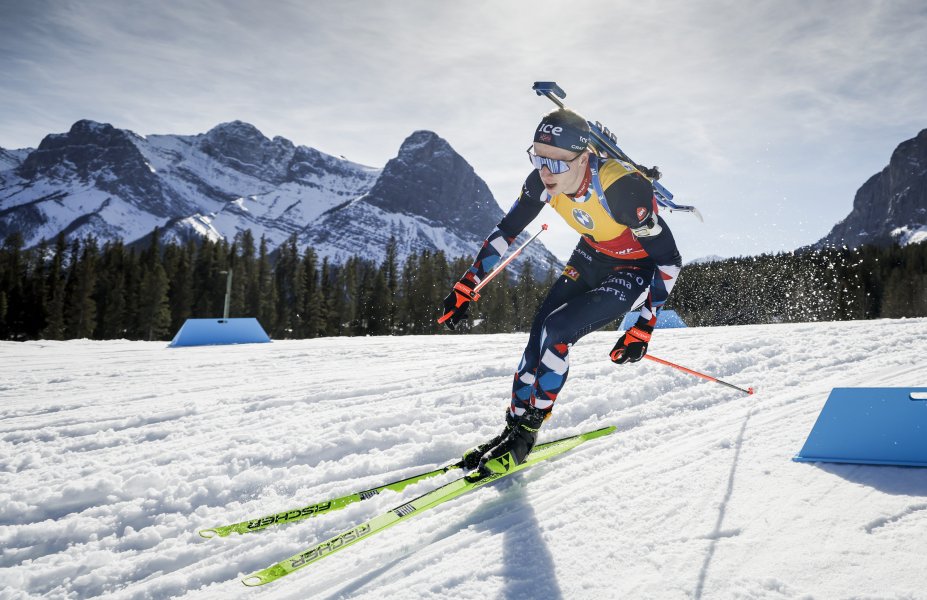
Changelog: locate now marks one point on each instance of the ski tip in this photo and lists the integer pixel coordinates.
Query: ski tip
(253, 580)
(208, 533)
(603, 431)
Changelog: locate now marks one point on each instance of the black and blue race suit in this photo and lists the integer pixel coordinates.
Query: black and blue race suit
(626, 258)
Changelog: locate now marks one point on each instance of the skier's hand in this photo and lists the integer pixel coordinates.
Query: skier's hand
(457, 303)
(632, 345)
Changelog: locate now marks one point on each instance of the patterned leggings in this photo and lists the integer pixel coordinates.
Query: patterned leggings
(593, 291)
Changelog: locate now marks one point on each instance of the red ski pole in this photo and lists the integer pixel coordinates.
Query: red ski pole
(748, 391)
(474, 296)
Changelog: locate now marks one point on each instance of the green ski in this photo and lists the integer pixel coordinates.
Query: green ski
(502, 467)
(326, 506)
(318, 508)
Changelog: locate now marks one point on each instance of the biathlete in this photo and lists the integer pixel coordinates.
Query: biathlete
(626, 257)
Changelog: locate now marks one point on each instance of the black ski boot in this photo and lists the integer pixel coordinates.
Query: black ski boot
(473, 456)
(516, 440)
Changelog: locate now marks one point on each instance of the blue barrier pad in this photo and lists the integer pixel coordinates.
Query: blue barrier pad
(211, 332)
(874, 426)
(666, 319)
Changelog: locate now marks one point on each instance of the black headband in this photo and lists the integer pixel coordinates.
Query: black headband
(561, 135)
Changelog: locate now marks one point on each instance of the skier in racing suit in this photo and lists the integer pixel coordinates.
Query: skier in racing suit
(626, 257)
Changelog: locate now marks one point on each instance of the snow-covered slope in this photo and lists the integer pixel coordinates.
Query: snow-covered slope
(288, 189)
(113, 455)
(11, 159)
(103, 181)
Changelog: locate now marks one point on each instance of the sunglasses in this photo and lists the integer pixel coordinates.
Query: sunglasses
(553, 165)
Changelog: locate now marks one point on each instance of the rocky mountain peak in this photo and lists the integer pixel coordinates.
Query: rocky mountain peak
(243, 147)
(89, 150)
(423, 144)
(429, 179)
(240, 135)
(892, 205)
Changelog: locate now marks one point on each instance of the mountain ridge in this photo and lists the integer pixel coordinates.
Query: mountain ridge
(891, 206)
(100, 180)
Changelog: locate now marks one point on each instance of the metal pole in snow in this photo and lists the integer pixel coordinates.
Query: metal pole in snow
(748, 391)
(228, 293)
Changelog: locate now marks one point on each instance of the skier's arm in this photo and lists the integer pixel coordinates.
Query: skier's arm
(657, 240)
(662, 248)
(525, 209)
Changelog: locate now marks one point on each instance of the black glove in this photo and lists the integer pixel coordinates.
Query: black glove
(632, 345)
(457, 303)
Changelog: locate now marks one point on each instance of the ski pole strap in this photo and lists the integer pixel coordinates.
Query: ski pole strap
(469, 294)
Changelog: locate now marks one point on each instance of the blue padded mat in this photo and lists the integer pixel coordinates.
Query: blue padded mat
(877, 426)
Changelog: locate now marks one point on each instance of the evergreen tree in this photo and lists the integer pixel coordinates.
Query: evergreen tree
(110, 294)
(154, 314)
(265, 310)
(133, 282)
(36, 314)
(331, 295)
(12, 275)
(80, 308)
(245, 274)
(525, 299)
(178, 266)
(351, 293)
(390, 272)
(208, 283)
(378, 305)
(419, 287)
(495, 312)
(287, 280)
(54, 293)
(313, 303)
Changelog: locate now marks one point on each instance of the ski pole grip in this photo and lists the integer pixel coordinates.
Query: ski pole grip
(464, 294)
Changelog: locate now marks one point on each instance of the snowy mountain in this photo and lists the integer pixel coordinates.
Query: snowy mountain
(11, 159)
(892, 205)
(428, 197)
(114, 454)
(112, 183)
(709, 258)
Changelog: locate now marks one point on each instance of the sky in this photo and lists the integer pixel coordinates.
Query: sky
(767, 116)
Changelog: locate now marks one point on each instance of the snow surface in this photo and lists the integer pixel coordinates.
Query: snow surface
(910, 235)
(114, 454)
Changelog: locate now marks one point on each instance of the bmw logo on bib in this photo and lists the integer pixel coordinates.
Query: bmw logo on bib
(583, 218)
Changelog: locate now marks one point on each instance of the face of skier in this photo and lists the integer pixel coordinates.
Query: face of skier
(567, 182)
